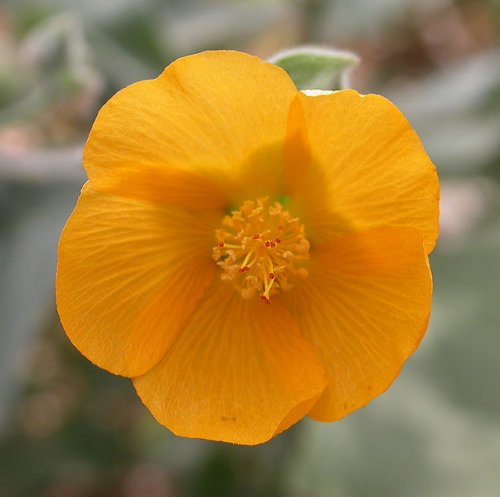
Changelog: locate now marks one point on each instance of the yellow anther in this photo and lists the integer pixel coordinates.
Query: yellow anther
(261, 248)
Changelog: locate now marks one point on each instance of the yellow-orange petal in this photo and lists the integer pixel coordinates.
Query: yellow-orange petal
(240, 370)
(184, 138)
(129, 276)
(355, 163)
(365, 307)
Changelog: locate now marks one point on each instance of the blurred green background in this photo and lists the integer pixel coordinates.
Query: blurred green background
(68, 429)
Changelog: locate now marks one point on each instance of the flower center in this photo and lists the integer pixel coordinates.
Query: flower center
(260, 248)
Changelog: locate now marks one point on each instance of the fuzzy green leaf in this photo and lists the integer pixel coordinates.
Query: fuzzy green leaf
(316, 68)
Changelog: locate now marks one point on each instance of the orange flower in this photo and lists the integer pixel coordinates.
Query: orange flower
(246, 253)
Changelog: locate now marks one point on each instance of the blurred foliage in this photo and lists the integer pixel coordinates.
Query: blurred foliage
(70, 429)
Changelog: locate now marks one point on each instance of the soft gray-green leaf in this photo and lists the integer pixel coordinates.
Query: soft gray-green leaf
(316, 68)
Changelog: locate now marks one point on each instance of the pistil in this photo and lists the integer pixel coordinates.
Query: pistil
(261, 248)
